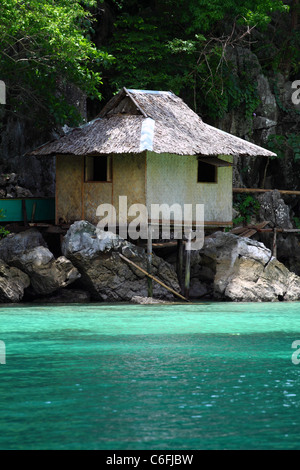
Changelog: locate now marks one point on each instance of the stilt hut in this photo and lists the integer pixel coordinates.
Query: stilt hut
(151, 147)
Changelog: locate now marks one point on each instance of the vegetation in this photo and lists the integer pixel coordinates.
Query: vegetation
(247, 207)
(183, 46)
(189, 47)
(280, 144)
(164, 44)
(43, 46)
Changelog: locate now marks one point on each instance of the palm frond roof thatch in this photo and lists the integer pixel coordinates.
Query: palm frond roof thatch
(138, 120)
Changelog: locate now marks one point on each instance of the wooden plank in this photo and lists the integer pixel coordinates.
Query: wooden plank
(249, 230)
(208, 224)
(262, 224)
(258, 190)
(215, 161)
(248, 233)
(152, 277)
(238, 230)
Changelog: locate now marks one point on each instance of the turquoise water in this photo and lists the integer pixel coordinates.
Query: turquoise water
(169, 377)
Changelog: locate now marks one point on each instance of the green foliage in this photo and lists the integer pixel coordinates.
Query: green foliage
(181, 46)
(247, 206)
(3, 231)
(277, 144)
(167, 44)
(293, 141)
(297, 222)
(43, 45)
(202, 16)
(281, 144)
(138, 47)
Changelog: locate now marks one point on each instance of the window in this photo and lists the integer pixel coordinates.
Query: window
(207, 173)
(97, 168)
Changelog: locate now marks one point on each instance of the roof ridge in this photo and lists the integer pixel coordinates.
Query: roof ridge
(135, 103)
(150, 92)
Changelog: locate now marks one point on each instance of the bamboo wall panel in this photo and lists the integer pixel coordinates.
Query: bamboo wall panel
(95, 194)
(69, 171)
(172, 179)
(129, 179)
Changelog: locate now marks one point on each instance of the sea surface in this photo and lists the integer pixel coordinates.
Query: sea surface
(154, 377)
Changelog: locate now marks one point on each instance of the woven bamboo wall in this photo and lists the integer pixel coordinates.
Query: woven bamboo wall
(172, 179)
(69, 173)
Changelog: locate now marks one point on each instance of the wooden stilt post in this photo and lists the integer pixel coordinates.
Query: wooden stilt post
(179, 261)
(149, 260)
(274, 252)
(24, 212)
(187, 267)
(33, 212)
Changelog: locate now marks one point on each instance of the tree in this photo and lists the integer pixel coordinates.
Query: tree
(42, 45)
(181, 45)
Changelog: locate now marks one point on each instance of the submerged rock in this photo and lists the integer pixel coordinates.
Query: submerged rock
(96, 256)
(28, 252)
(245, 270)
(12, 283)
(137, 299)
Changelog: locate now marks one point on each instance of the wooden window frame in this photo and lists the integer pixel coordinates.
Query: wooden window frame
(199, 162)
(108, 169)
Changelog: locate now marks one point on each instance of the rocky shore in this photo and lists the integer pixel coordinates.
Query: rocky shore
(227, 268)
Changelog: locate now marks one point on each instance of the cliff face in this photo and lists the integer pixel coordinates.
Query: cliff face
(36, 175)
(19, 136)
(276, 115)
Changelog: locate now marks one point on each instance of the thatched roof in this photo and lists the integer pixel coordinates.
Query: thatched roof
(138, 120)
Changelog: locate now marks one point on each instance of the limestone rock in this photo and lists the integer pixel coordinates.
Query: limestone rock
(12, 283)
(28, 252)
(246, 271)
(103, 273)
(14, 245)
(274, 209)
(46, 273)
(268, 106)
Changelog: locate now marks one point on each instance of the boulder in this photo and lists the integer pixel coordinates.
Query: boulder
(12, 283)
(245, 270)
(274, 209)
(14, 245)
(103, 273)
(28, 252)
